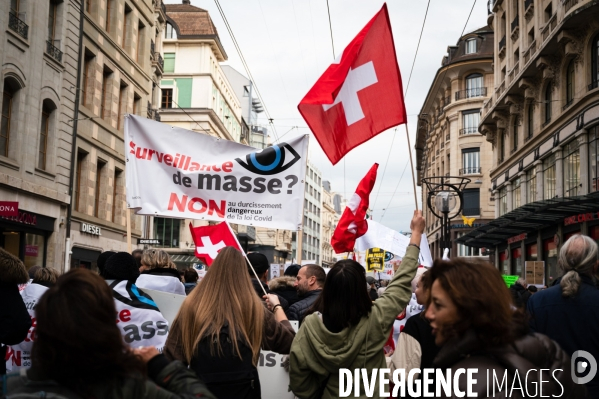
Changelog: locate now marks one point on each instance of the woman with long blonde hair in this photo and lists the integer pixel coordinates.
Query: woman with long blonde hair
(222, 326)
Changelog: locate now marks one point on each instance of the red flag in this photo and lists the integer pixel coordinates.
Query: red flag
(358, 96)
(353, 221)
(209, 240)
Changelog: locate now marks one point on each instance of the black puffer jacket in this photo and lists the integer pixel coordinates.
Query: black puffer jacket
(257, 287)
(14, 318)
(284, 287)
(298, 310)
(532, 351)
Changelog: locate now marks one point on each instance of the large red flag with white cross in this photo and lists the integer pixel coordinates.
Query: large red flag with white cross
(209, 240)
(359, 95)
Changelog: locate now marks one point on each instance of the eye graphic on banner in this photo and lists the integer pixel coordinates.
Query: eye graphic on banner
(271, 160)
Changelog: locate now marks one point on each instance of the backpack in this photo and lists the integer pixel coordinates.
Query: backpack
(227, 375)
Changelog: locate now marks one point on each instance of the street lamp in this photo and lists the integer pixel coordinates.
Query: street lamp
(445, 200)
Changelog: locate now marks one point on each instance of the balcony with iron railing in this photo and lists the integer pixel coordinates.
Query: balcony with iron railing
(470, 171)
(446, 101)
(156, 116)
(568, 4)
(150, 111)
(15, 24)
(469, 93)
(152, 46)
(448, 136)
(468, 130)
(549, 27)
(529, 6)
(53, 51)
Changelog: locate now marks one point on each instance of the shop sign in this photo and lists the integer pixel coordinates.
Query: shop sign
(465, 226)
(583, 217)
(517, 238)
(91, 229)
(149, 241)
(9, 209)
(22, 217)
(31, 250)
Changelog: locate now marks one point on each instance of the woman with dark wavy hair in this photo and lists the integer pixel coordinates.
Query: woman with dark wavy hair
(79, 349)
(473, 320)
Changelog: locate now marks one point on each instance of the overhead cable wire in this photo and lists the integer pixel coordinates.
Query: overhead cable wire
(394, 191)
(245, 65)
(331, 29)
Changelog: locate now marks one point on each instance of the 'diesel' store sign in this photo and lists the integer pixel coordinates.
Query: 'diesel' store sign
(91, 229)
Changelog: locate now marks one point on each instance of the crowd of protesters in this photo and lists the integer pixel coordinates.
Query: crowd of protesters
(462, 316)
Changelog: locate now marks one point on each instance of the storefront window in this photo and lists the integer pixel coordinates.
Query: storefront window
(531, 252)
(568, 235)
(594, 233)
(504, 265)
(571, 169)
(167, 230)
(34, 250)
(531, 177)
(517, 261)
(464, 250)
(549, 176)
(550, 258)
(593, 158)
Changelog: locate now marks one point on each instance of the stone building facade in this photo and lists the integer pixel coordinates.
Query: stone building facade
(448, 141)
(120, 66)
(542, 119)
(38, 57)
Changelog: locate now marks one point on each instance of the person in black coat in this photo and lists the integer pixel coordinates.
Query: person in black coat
(568, 312)
(14, 318)
(261, 265)
(520, 293)
(284, 286)
(309, 282)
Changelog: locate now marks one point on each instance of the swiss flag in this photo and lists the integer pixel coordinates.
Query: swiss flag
(352, 223)
(358, 96)
(209, 240)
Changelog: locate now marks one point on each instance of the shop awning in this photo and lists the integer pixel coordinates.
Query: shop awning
(185, 260)
(529, 217)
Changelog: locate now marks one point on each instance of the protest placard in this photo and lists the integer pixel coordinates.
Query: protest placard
(179, 173)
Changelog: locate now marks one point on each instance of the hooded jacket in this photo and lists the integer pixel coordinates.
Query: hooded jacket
(317, 354)
(284, 287)
(529, 352)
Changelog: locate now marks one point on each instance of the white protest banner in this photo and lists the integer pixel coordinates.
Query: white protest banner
(179, 173)
(169, 304)
(274, 379)
(379, 236)
(19, 356)
(138, 316)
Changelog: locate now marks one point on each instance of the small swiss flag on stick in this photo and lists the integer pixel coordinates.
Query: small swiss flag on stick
(209, 240)
(359, 95)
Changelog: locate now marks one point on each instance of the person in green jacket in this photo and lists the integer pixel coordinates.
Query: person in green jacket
(79, 351)
(348, 330)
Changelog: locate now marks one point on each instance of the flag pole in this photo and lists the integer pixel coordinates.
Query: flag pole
(298, 249)
(245, 255)
(129, 247)
(412, 166)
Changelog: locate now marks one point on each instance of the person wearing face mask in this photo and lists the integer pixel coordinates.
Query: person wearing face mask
(472, 318)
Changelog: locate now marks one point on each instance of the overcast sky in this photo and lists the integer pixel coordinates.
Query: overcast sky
(287, 46)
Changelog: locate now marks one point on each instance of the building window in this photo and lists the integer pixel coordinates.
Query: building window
(548, 99)
(7, 102)
(80, 159)
(501, 139)
(106, 100)
(531, 178)
(470, 46)
(108, 15)
(52, 21)
(167, 98)
(88, 80)
(115, 205)
(594, 158)
(44, 130)
(122, 104)
(169, 32)
(549, 177)
(471, 198)
(516, 194)
(167, 230)
(140, 43)
(126, 22)
(88, 5)
(515, 134)
(594, 63)
(571, 169)
(169, 62)
(570, 83)
(470, 161)
(100, 165)
(502, 201)
(474, 85)
(470, 120)
(136, 104)
(530, 121)
(464, 250)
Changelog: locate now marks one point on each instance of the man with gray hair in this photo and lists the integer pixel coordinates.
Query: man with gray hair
(568, 312)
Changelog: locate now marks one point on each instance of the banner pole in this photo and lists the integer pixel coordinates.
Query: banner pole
(129, 247)
(412, 166)
(245, 255)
